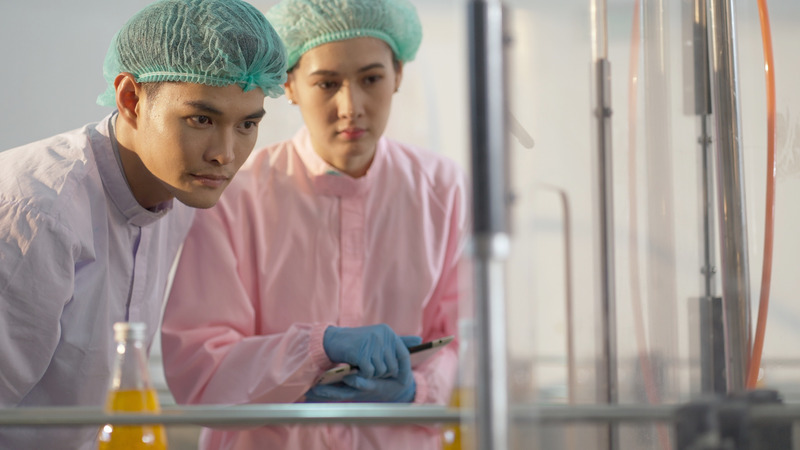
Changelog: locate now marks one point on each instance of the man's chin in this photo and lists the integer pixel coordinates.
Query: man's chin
(199, 201)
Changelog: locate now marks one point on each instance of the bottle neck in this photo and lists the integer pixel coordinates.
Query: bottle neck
(130, 370)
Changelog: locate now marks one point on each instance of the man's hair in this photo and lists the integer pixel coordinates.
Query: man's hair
(151, 90)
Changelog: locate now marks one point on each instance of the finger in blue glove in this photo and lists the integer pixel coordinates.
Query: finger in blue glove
(410, 341)
(376, 350)
(355, 388)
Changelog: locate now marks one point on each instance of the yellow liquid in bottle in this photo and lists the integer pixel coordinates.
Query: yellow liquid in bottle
(456, 436)
(132, 437)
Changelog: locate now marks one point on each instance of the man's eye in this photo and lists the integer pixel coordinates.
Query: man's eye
(202, 120)
(249, 125)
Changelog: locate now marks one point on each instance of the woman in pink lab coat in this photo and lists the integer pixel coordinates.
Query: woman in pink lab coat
(333, 231)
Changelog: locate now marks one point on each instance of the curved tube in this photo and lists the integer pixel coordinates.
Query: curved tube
(769, 226)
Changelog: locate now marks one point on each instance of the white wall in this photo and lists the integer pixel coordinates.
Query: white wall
(52, 73)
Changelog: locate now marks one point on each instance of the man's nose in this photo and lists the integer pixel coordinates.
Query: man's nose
(221, 150)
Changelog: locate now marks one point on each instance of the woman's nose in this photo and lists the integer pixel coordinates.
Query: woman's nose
(350, 102)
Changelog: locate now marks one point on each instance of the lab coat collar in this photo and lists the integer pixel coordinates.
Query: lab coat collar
(106, 153)
(326, 179)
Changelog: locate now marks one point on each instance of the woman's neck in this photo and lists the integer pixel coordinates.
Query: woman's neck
(354, 165)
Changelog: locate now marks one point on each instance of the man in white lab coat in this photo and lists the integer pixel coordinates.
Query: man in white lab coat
(88, 223)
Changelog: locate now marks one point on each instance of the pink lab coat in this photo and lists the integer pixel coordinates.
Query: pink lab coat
(293, 247)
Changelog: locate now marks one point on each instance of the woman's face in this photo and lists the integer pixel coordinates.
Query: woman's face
(344, 90)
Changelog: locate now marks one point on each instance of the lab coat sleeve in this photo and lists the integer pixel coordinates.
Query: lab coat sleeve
(212, 349)
(436, 377)
(37, 273)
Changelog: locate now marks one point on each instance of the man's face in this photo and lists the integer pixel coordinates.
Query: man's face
(344, 90)
(190, 140)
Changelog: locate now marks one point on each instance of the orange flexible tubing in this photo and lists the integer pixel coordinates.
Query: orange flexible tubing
(769, 220)
(651, 390)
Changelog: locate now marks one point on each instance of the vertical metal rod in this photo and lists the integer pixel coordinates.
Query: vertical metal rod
(712, 328)
(699, 104)
(492, 410)
(712, 352)
(709, 268)
(608, 389)
(730, 182)
(491, 196)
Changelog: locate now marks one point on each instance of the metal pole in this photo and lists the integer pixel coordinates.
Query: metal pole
(608, 388)
(709, 268)
(697, 102)
(364, 414)
(701, 103)
(730, 182)
(491, 196)
(701, 107)
(712, 325)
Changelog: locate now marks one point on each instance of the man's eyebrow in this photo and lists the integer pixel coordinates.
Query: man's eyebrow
(205, 107)
(257, 114)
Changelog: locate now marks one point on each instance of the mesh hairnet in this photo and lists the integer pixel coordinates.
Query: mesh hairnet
(212, 42)
(305, 24)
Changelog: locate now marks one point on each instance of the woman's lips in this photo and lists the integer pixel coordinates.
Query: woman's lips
(352, 133)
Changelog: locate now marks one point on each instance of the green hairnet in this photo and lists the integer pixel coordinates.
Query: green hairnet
(305, 24)
(212, 42)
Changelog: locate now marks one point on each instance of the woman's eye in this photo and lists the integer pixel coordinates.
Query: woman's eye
(372, 79)
(326, 85)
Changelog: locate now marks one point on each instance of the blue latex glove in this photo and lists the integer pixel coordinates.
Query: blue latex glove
(356, 388)
(375, 349)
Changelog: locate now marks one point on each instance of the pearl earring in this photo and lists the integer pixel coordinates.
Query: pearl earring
(291, 102)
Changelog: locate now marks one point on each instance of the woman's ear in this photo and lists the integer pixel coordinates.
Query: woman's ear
(288, 88)
(128, 95)
(398, 75)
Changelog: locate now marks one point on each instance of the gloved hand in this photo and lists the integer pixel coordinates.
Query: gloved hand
(356, 388)
(375, 349)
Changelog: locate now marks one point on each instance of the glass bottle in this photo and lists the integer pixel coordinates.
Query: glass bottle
(460, 436)
(131, 391)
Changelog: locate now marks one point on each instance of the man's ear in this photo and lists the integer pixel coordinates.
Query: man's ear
(128, 94)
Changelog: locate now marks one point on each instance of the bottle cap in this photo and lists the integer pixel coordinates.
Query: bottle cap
(129, 330)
